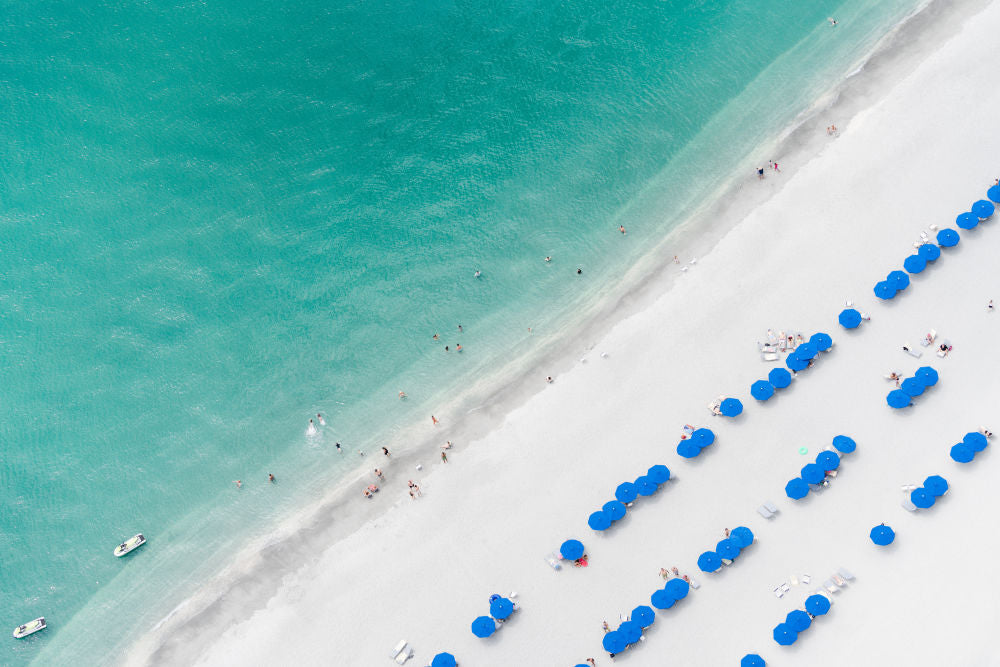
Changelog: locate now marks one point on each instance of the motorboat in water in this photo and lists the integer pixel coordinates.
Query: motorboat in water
(29, 628)
(129, 545)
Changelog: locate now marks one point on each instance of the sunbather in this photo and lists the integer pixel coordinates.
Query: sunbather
(664, 573)
(894, 376)
(605, 627)
(987, 433)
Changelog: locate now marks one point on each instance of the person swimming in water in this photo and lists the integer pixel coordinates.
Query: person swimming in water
(319, 417)
(311, 430)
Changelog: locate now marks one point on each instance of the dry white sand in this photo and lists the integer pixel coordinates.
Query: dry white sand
(921, 154)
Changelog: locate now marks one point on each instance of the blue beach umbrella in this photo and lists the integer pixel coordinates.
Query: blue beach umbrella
(994, 194)
(615, 510)
(688, 449)
(784, 634)
(658, 473)
(922, 498)
(571, 549)
(967, 220)
(631, 631)
(502, 607)
(731, 407)
(599, 520)
(817, 604)
(976, 441)
(983, 209)
(727, 549)
(762, 390)
(483, 627)
(709, 561)
(613, 642)
(962, 453)
(927, 375)
(897, 399)
(626, 492)
(796, 363)
(643, 615)
(828, 461)
(752, 660)
(645, 486)
(898, 279)
(914, 264)
(806, 351)
(443, 660)
(936, 484)
(677, 588)
(882, 535)
(849, 318)
(703, 437)
(822, 341)
(929, 251)
(844, 444)
(947, 238)
(662, 599)
(796, 488)
(742, 535)
(779, 378)
(812, 473)
(912, 386)
(798, 620)
(885, 290)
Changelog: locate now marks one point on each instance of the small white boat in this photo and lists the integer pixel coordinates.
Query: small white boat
(30, 627)
(130, 544)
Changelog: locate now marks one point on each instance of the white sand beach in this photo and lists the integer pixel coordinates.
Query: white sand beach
(922, 147)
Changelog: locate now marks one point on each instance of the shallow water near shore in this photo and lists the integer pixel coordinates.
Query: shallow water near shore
(222, 220)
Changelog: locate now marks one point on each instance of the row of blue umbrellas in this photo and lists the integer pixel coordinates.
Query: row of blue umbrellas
(500, 608)
(797, 620)
(627, 492)
(895, 282)
(925, 496)
(924, 377)
(979, 211)
(814, 473)
(966, 450)
(672, 591)
(729, 548)
(917, 262)
(799, 359)
(629, 632)
(643, 616)
(699, 440)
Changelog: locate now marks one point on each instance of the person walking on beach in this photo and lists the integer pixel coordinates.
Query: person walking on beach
(605, 627)
(434, 421)
(989, 306)
(664, 573)
(444, 457)
(378, 474)
(775, 165)
(386, 452)
(760, 173)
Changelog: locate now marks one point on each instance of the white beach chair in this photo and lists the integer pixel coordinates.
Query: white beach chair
(764, 512)
(830, 586)
(404, 655)
(907, 487)
(806, 579)
(693, 584)
(846, 574)
(794, 580)
(929, 338)
(553, 560)
(785, 587)
(908, 348)
(778, 593)
(726, 561)
(839, 580)
(908, 506)
(933, 228)
(770, 507)
(399, 648)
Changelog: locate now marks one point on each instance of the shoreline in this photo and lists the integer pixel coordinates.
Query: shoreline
(648, 279)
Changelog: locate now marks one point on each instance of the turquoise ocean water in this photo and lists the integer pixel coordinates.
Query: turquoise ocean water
(220, 218)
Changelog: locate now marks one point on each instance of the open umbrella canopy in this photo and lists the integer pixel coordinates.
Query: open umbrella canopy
(927, 375)
(709, 561)
(779, 378)
(796, 363)
(731, 407)
(936, 484)
(615, 509)
(898, 279)
(631, 631)
(742, 535)
(812, 473)
(828, 461)
(947, 238)
(643, 615)
(614, 642)
(483, 627)
(929, 251)
(688, 449)
(882, 535)
(914, 263)
(762, 390)
(844, 444)
(626, 492)
(822, 341)
(817, 604)
(443, 660)
(983, 209)
(662, 599)
(645, 486)
(897, 399)
(677, 588)
(922, 498)
(994, 194)
(962, 453)
(977, 441)
(797, 488)
(599, 520)
(502, 607)
(658, 473)
(752, 660)
(885, 290)
(798, 620)
(967, 220)
(912, 386)
(849, 318)
(784, 634)
(703, 437)
(727, 549)
(806, 351)
(571, 549)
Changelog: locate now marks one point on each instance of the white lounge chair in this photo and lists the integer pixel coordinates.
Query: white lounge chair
(830, 586)
(929, 338)
(806, 579)
(846, 574)
(794, 580)
(399, 648)
(769, 356)
(778, 593)
(839, 580)
(908, 348)
(933, 228)
(404, 655)
(770, 506)
(908, 506)
(785, 587)
(764, 512)
(726, 561)
(694, 584)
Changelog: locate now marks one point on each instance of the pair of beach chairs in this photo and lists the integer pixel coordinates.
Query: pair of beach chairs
(925, 237)
(784, 587)
(836, 582)
(767, 509)
(402, 652)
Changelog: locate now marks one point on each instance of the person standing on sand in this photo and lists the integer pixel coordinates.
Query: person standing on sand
(775, 165)
(434, 421)
(989, 306)
(378, 475)
(760, 173)
(664, 573)
(386, 452)
(444, 457)
(592, 663)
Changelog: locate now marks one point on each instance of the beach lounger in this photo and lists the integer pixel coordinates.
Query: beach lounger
(399, 648)
(764, 512)
(768, 356)
(794, 580)
(830, 586)
(846, 574)
(933, 228)
(785, 587)
(726, 561)
(806, 579)
(693, 584)
(929, 338)
(839, 580)
(404, 655)
(910, 351)
(770, 506)
(944, 353)
(778, 593)
(553, 560)
(908, 506)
